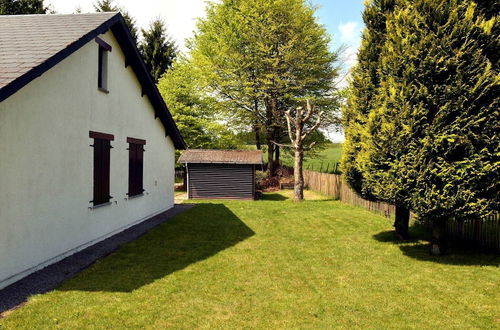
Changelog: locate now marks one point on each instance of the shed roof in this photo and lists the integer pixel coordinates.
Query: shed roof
(203, 156)
(32, 44)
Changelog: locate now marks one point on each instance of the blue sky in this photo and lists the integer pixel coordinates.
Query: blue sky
(343, 20)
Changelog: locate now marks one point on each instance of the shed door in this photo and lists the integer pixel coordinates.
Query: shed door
(221, 181)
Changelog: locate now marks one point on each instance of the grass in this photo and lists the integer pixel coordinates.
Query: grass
(327, 157)
(273, 264)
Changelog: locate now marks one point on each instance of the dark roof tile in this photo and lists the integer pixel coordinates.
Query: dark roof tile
(202, 156)
(27, 41)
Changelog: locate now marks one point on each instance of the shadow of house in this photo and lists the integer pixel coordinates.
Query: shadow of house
(418, 248)
(193, 236)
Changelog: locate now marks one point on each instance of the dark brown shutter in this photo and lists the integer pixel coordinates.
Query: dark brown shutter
(102, 159)
(136, 170)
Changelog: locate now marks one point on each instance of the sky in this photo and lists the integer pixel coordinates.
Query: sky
(342, 19)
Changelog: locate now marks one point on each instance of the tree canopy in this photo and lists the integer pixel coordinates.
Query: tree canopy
(109, 6)
(425, 135)
(22, 7)
(262, 57)
(157, 49)
(194, 110)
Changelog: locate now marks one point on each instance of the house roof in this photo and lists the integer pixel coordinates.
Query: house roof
(32, 44)
(203, 156)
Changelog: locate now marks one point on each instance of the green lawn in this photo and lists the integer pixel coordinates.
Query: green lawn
(273, 264)
(326, 158)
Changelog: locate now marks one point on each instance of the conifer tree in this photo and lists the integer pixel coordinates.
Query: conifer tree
(22, 7)
(443, 82)
(363, 90)
(366, 149)
(109, 6)
(157, 49)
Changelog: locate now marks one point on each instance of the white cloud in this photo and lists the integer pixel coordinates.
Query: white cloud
(349, 32)
(180, 15)
(350, 37)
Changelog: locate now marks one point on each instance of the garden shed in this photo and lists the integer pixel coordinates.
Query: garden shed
(221, 174)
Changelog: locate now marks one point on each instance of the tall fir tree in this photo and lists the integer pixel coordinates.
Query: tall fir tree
(109, 6)
(367, 147)
(443, 78)
(22, 7)
(365, 81)
(157, 49)
(431, 141)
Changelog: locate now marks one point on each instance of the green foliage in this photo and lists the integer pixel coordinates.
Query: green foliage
(430, 139)
(262, 57)
(157, 49)
(22, 7)
(109, 6)
(361, 99)
(194, 111)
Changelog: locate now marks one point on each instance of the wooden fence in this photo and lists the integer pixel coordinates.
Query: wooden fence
(332, 185)
(484, 233)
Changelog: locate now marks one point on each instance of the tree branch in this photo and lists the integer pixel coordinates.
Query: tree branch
(282, 145)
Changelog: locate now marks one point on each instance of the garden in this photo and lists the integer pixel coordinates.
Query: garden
(273, 263)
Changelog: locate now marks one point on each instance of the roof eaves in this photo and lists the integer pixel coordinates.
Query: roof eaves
(40, 69)
(117, 25)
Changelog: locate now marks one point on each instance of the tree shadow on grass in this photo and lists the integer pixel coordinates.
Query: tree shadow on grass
(273, 197)
(417, 247)
(190, 237)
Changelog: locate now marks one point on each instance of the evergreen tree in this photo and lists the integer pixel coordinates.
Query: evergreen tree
(109, 6)
(430, 140)
(157, 49)
(363, 90)
(369, 147)
(443, 78)
(22, 7)
(261, 57)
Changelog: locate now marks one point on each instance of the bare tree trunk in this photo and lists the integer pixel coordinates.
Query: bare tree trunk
(298, 194)
(401, 222)
(438, 244)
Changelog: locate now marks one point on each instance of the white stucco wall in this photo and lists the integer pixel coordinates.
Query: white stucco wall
(46, 162)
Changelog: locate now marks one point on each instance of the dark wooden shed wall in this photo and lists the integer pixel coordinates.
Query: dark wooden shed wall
(221, 181)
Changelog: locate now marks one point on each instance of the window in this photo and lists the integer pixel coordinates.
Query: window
(135, 166)
(102, 72)
(102, 147)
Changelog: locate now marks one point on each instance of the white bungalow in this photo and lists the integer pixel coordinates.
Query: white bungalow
(87, 145)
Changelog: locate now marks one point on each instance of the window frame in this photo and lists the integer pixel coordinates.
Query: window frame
(102, 64)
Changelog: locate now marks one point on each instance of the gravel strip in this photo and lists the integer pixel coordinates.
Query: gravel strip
(51, 276)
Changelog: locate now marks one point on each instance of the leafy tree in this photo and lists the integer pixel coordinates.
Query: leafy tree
(261, 57)
(22, 7)
(193, 110)
(109, 6)
(157, 49)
